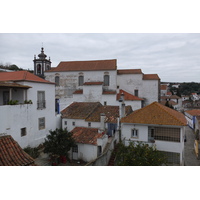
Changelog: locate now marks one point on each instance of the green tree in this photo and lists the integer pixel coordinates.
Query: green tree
(139, 154)
(59, 142)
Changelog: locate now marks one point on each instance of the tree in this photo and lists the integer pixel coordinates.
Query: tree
(139, 154)
(59, 142)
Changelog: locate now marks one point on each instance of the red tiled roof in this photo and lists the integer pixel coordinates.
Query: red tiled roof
(78, 92)
(93, 83)
(156, 114)
(163, 87)
(128, 96)
(194, 112)
(129, 71)
(13, 85)
(170, 103)
(11, 154)
(21, 76)
(174, 97)
(86, 135)
(111, 113)
(151, 77)
(79, 110)
(93, 65)
(108, 92)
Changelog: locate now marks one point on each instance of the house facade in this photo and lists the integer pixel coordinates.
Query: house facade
(191, 117)
(27, 107)
(93, 126)
(158, 126)
(99, 80)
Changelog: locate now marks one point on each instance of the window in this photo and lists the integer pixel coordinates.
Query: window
(136, 93)
(41, 122)
(106, 80)
(73, 123)
(89, 124)
(80, 80)
(39, 69)
(23, 132)
(167, 134)
(41, 100)
(105, 103)
(134, 133)
(57, 80)
(75, 149)
(65, 122)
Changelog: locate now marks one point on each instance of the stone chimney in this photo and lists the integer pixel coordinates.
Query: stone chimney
(122, 109)
(102, 122)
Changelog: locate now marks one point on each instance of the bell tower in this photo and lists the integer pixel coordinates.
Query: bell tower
(41, 64)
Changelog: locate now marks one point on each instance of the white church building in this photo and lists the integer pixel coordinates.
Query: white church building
(99, 80)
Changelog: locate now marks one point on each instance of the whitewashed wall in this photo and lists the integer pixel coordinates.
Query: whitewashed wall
(175, 147)
(15, 117)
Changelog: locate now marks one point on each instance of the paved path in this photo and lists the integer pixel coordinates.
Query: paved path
(190, 157)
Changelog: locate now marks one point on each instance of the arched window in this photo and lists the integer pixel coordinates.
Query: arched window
(106, 80)
(80, 80)
(57, 80)
(39, 69)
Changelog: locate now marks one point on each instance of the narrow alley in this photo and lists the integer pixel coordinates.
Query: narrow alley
(190, 157)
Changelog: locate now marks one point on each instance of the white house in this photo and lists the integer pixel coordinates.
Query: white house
(145, 86)
(92, 124)
(191, 117)
(157, 125)
(33, 115)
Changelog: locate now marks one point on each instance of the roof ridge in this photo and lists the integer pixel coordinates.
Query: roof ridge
(166, 109)
(92, 110)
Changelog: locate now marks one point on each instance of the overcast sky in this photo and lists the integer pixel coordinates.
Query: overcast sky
(174, 57)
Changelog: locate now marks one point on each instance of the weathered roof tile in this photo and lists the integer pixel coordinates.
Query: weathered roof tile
(156, 114)
(11, 154)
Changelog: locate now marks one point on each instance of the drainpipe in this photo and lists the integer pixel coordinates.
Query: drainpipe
(10, 94)
(121, 114)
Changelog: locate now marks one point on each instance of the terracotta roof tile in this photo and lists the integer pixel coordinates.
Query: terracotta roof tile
(129, 71)
(79, 110)
(194, 112)
(13, 85)
(163, 87)
(108, 92)
(157, 114)
(93, 83)
(22, 76)
(128, 96)
(86, 135)
(11, 154)
(111, 113)
(93, 65)
(78, 92)
(151, 77)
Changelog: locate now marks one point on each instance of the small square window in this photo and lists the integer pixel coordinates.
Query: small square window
(89, 124)
(135, 133)
(73, 123)
(23, 132)
(65, 122)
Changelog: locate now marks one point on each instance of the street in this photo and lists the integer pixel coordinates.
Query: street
(190, 157)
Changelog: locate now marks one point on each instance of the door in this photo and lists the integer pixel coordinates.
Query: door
(5, 97)
(75, 152)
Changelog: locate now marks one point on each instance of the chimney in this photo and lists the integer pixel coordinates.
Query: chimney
(102, 122)
(122, 97)
(122, 109)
